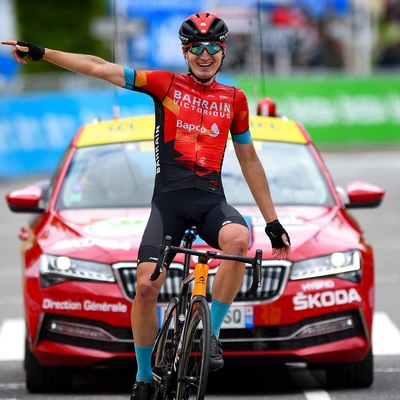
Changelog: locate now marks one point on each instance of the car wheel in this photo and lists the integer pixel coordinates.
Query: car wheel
(41, 379)
(351, 375)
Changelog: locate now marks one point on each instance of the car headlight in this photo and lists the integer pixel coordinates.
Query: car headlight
(57, 269)
(333, 264)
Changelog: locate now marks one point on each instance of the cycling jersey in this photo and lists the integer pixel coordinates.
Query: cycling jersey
(192, 123)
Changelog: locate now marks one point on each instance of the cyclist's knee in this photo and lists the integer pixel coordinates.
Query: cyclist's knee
(147, 290)
(234, 238)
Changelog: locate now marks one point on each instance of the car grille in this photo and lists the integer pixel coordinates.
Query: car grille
(257, 339)
(274, 277)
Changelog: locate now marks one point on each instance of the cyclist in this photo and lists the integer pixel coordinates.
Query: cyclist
(194, 114)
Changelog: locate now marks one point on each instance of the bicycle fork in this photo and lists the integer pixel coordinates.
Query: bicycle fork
(199, 289)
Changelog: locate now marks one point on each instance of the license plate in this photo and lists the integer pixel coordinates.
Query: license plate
(238, 317)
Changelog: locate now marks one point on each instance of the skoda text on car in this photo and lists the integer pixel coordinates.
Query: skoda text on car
(79, 256)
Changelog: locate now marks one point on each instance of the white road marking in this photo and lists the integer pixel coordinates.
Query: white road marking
(12, 386)
(308, 384)
(386, 338)
(316, 394)
(12, 333)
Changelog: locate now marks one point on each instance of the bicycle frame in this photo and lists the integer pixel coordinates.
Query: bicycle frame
(173, 375)
(204, 257)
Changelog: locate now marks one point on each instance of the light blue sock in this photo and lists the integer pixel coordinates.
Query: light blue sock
(143, 358)
(218, 314)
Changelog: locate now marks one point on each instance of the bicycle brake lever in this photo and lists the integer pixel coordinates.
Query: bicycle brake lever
(163, 251)
(256, 283)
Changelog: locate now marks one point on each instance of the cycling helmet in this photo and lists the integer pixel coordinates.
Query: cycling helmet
(203, 27)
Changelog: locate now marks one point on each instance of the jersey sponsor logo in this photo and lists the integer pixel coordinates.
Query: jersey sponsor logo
(213, 132)
(332, 298)
(157, 148)
(206, 107)
(190, 127)
(202, 161)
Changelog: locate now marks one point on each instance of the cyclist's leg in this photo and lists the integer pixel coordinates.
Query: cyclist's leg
(226, 229)
(233, 239)
(226, 285)
(144, 317)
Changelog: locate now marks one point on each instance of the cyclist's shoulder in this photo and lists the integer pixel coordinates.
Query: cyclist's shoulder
(153, 81)
(159, 73)
(233, 90)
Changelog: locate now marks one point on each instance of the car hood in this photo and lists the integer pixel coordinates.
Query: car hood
(113, 235)
(313, 231)
(107, 235)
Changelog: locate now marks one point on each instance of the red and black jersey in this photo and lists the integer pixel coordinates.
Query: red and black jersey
(192, 123)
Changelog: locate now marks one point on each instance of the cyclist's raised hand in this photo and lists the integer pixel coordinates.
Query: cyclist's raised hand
(280, 240)
(23, 49)
(86, 64)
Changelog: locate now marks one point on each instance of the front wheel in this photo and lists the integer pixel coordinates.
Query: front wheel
(163, 355)
(195, 357)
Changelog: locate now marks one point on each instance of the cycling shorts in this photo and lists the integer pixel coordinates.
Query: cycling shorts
(175, 211)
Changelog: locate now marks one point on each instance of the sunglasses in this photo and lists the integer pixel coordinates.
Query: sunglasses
(211, 47)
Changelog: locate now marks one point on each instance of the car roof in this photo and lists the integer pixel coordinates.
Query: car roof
(142, 128)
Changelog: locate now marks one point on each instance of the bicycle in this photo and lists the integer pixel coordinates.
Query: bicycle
(181, 352)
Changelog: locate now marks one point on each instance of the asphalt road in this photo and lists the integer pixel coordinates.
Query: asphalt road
(382, 229)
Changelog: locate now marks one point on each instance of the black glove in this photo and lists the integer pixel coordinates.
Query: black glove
(35, 53)
(274, 231)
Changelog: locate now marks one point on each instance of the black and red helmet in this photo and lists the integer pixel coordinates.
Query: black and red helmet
(203, 27)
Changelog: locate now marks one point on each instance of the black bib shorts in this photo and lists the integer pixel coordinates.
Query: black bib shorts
(175, 211)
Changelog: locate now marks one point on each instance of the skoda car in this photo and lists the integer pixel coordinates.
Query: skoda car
(79, 255)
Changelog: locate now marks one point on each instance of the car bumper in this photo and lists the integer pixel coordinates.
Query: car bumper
(72, 342)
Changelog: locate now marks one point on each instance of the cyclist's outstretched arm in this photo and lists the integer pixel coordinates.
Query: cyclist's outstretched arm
(81, 63)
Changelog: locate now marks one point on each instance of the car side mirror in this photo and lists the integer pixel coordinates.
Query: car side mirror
(28, 199)
(363, 195)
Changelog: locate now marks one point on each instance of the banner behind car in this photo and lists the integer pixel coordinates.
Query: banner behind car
(35, 129)
(337, 109)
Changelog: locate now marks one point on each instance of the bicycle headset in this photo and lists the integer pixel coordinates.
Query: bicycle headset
(203, 27)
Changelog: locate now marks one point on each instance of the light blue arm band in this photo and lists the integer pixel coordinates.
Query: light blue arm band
(242, 138)
(129, 78)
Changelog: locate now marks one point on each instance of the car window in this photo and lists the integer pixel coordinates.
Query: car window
(122, 175)
(115, 175)
(293, 174)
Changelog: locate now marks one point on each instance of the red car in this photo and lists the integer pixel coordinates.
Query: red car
(79, 257)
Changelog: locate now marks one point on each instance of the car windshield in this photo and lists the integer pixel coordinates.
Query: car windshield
(294, 175)
(122, 175)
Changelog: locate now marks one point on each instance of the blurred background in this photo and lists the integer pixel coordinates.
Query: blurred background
(331, 64)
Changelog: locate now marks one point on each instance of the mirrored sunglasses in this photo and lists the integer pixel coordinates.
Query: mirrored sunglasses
(211, 47)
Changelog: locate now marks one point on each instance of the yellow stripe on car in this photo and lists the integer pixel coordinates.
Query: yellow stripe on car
(117, 130)
(276, 129)
(142, 128)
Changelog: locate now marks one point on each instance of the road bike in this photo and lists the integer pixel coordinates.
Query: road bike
(181, 352)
